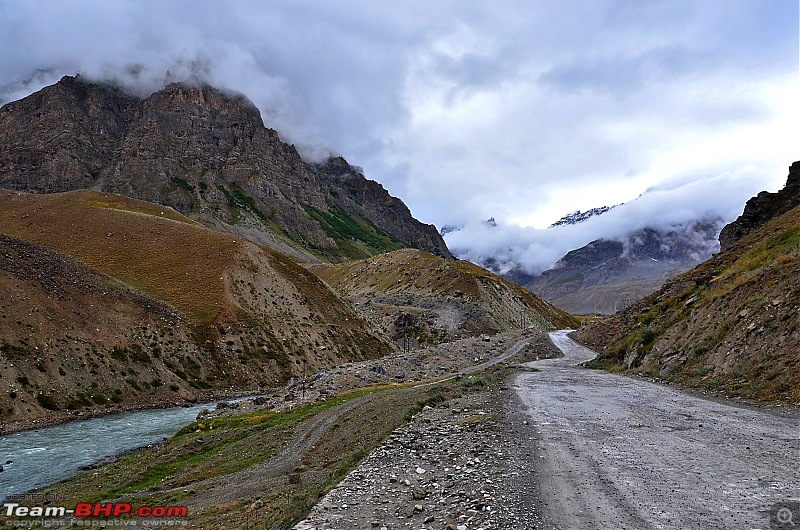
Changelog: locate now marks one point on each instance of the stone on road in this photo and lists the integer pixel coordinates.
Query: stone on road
(618, 452)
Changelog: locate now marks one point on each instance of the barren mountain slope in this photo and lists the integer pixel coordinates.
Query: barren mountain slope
(729, 324)
(168, 302)
(207, 154)
(416, 294)
(605, 276)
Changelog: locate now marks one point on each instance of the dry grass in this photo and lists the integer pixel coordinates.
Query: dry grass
(149, 247)
(255, 317)
(404, 270)
(431, 281)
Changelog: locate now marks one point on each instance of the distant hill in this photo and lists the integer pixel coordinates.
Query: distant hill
(730, 324)
(111, 302)
(414, 293)
(605, 276)
(207, 154)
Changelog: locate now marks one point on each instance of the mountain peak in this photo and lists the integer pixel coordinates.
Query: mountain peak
(578, 216)
(207, 153)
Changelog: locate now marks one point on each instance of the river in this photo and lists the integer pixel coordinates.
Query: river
(46, 456)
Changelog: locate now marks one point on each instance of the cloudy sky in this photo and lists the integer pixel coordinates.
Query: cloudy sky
(518, 110)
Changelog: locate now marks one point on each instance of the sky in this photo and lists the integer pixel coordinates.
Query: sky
(519, 110)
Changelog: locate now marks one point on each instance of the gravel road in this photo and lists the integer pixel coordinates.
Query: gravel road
(611, 451)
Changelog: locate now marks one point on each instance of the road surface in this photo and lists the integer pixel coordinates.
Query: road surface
(611, 451)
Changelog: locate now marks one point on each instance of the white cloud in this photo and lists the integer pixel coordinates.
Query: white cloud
(519, 110)
(674, 204)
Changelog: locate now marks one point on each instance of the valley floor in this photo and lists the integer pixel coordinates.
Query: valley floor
(543, 444)
(567, 447)
(262, 463)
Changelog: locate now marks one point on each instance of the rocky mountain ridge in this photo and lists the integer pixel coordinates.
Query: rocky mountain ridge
(207, 154)
(762, 208)
(578, 216)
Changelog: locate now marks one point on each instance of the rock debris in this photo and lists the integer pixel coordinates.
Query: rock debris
(450, 468)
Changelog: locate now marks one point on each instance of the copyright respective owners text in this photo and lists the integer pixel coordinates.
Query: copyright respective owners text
(785, 515)
(47, 512)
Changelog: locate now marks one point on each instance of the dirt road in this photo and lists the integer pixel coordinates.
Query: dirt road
(610, 451)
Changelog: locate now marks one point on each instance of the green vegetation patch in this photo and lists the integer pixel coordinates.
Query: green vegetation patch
(238, 198)
(47, 401)
(183, 184)
(356, 238)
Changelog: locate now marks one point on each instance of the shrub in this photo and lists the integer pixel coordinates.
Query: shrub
(47, 401)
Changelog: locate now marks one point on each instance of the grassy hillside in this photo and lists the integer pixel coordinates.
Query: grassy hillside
(151, 296)
(354, 238)
(412, 292)
(149, 247)
(730, 324)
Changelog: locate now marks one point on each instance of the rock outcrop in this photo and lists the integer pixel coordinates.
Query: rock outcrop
(763, 208)
(207, 154)
(730, 324)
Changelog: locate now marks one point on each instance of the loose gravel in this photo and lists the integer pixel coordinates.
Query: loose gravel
(452, 467)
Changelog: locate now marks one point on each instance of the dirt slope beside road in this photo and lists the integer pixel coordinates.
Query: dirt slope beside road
(619, 452)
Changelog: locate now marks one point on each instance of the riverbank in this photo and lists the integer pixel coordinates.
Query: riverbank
(54, 418)
(418, 365)
(270, 461)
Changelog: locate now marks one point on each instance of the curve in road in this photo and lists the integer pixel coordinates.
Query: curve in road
(620, 452)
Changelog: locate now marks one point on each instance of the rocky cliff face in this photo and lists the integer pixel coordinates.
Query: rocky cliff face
(762, 208)
(208, 155)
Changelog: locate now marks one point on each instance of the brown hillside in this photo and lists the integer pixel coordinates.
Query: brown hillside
(76, 340)
(149, 247)
(730, 324)
(240, 316)
(414, 293)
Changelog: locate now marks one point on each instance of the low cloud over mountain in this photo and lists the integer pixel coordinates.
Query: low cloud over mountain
(673, 205)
